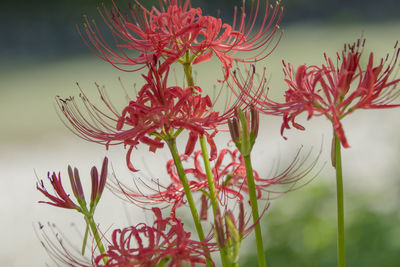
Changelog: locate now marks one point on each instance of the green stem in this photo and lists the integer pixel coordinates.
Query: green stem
(254, 208)
(93, 227)
(340, 203)
(210, 177)
(187, 68)
(211, 186)
(85, 237)
(182, 176)
(188, 73)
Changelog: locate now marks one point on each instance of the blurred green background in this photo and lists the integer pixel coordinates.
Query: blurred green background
(301, 230)
(41, 56)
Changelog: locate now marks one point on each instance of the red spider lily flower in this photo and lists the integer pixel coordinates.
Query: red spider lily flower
(144, 245)
(229, 173)
(171, 195)
(158, 110)
(178, 32)
(335, 90)
(61, 198)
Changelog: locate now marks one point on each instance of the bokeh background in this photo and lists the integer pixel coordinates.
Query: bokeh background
(42, 55)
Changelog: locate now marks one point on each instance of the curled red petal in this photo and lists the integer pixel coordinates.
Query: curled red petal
(128, 160)
(193, 137)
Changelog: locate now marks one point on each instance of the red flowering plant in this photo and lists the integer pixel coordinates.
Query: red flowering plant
(333, 90)
(177, 33)
(167, 243)
(62, 200)
(229, 174)
(164, 243)
(159, 113)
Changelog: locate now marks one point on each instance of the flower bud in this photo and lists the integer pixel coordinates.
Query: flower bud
(231, 228)
(95, 184)
(76, 184)
(98, 184)
(219, 230)
(244, 129)
(255, 121)
(103, 177)
(234, 129)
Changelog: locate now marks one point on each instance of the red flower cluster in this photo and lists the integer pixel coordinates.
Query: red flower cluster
(179, 33)
(335, 90)
(229, 177)
(175, 32)
(158, 111)
(147, 246)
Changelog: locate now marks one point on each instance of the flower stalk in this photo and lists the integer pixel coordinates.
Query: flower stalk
(90, 221)
(340, 202)
(254, 210)
(187, 66)
(213, 193)
(210, 177)
(182, 176)
(244, 130)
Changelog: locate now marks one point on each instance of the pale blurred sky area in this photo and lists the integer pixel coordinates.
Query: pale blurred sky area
(42, 55)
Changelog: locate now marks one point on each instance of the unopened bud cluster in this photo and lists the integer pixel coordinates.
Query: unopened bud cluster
(244, 129)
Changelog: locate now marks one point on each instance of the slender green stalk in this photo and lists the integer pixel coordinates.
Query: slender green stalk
(85, 237)
(187, 68)
(210, 177)
(340, 204)
(211, 186)
(182, 176)
(93, 227)
(188, 73)
(254, 207)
